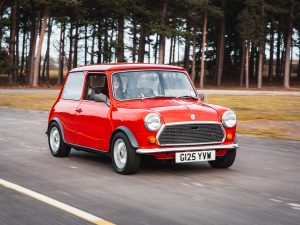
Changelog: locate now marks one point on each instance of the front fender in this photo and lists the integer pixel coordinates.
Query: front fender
(129, 134)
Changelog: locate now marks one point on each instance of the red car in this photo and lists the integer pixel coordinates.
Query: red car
(131, 110)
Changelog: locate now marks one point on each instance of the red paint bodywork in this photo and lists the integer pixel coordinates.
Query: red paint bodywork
(95, 125)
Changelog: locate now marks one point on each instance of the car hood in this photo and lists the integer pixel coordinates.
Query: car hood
(174, 110)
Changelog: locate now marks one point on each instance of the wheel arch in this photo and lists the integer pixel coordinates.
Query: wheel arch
(55, 119)
(128, 133)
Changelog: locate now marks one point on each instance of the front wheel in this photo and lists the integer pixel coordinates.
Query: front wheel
(225, 161)
(125, 160)
(56, 143)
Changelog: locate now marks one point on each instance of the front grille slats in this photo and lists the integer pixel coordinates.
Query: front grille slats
(200, 133)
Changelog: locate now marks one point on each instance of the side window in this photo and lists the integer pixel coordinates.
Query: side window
(95, 84)
(73, 86)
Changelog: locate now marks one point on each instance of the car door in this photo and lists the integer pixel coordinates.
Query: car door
(66, 107)
(92, 118)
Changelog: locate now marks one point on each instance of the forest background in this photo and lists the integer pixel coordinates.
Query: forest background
(235, 43)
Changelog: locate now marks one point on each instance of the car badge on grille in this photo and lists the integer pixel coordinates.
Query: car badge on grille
(193, 117)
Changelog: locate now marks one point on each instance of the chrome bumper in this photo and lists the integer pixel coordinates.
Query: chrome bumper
(186, 148)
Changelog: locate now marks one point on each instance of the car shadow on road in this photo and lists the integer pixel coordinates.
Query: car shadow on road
(148, 166)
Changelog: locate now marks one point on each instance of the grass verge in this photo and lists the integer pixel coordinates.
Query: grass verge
(260, 115)
(42, 102)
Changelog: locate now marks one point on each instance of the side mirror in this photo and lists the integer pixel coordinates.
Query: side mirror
(100, 98)
(202, 96)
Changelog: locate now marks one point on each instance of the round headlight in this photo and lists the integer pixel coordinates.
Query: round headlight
(152, 122)
(229, 119)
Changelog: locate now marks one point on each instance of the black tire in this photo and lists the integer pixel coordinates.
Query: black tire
(60, 149)
(225, 161)
(132, 162)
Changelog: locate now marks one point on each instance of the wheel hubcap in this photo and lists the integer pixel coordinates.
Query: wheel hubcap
(120, 153)
(54, 139)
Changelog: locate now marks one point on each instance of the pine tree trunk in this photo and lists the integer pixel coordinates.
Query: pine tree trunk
(247, 65)
(1, 5)
(256, 63)
(61, 54)
(134, 40)
(162, 38)
(252, 61)
(178, 51)
(71, 46)
(76, 37)
(44, 66)
(105, 44)
(142, 43)
(120, 47)
(278, 54)
(48, 51)
(271, 52)
(298, 71)
(156, 49)
(99, 42)
(242, 64)
(186, 57)
(111, 45)
(38, 53)
(93, 43)
(286, 75)
(260, 66)
(174, 48)
(17, 57)
(23, 50)
(33, 39)
(85, 43)
(171, 50)
(12, 42)
(193, 75)
(149, 49)
(220, 53)
(261, 52)
(203, 50)
(1, 27)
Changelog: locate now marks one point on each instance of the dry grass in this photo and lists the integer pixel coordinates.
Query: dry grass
(267, 116)
(261, 107)
(42, 102)
(262, 115)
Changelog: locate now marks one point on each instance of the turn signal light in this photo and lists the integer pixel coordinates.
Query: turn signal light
(152, 139)
(229, 136)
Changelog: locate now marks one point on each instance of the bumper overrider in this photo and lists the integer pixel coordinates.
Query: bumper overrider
(186, 148)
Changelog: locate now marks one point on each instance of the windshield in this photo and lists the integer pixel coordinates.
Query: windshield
(151, 84)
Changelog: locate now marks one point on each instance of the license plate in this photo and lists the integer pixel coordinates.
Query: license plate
(198, 156)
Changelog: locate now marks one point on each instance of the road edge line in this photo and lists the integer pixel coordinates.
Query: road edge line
(52, 202)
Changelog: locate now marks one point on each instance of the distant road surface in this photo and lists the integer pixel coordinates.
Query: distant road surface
(262, 187)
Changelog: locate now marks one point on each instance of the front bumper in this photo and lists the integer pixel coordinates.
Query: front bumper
(186, 148)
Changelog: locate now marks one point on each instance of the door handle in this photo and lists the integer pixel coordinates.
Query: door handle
(78, 110)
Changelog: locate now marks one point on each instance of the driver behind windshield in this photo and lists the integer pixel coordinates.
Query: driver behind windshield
(118, 87)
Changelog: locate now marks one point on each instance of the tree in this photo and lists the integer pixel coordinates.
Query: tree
(35, 79)
(12, 42)
(162, 38)
(288, 46)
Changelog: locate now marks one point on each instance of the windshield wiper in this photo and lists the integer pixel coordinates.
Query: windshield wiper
(186, 96)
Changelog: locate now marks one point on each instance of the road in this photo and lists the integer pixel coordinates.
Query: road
(262, 187)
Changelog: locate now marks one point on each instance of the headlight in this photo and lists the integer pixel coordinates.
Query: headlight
(229, 119)
(152, 122)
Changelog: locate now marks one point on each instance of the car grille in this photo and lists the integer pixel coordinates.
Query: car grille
(199, 133)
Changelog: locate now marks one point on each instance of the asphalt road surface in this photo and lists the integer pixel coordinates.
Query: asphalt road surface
(262, 187)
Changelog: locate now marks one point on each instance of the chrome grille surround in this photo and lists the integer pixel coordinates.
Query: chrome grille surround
(192, 123)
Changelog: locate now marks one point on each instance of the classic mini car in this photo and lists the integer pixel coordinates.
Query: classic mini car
(131, 110)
